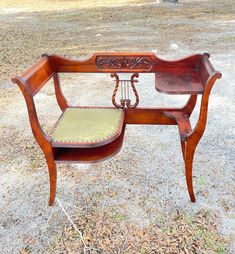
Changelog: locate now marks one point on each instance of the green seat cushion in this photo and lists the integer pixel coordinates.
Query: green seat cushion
(84, 127)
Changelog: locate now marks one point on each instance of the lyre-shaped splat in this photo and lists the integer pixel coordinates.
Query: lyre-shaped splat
(125, 84)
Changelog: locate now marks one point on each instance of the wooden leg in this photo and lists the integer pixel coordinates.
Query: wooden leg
(183, 148)
(52, 175)
(189, 153)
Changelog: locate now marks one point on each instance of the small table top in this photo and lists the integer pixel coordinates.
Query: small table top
(178, 82)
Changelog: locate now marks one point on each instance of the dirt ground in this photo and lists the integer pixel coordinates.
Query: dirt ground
(137, 201)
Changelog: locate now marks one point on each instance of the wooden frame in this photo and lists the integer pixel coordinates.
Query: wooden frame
(192, 75)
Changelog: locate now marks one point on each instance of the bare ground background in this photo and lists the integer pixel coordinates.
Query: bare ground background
(136, 202)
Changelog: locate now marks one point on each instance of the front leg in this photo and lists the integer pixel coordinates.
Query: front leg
(52, 176)
(188, 160)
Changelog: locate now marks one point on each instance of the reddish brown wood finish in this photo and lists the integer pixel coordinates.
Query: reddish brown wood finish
(192, 75)
(175, 82)
(62, 64)
(62, 102)
(125, 90)
(89, 155)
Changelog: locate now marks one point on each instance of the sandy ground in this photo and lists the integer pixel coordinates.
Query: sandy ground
(145, 181)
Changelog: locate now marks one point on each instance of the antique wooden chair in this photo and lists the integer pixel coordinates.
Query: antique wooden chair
(91, 134)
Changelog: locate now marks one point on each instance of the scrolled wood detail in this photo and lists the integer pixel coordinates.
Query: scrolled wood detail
(124, 62)
(133, 80)
(125, 100)
(114, 75)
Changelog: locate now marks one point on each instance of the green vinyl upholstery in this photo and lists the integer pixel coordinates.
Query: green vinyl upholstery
(88, 125)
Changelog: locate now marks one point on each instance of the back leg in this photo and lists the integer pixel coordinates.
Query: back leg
(183, 148)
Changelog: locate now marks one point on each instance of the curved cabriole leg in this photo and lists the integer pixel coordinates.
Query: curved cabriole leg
(183, 148)
(189, 153)
(52, 175)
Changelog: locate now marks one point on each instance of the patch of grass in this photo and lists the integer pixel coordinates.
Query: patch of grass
(36, 161)
(201, 181)
(120, 217)
(232, 216)
(143, 250)
(36, 158)
(220, 248)
(117, 216)
(161, 219)
(97, 196)
(226, 39)
(25, 250)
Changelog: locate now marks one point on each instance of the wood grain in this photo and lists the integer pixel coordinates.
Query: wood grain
(193, 75)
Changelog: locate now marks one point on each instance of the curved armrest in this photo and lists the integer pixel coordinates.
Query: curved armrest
(208, 76)
(30, 82)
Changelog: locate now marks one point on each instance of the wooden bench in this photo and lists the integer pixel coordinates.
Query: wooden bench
(89, 134)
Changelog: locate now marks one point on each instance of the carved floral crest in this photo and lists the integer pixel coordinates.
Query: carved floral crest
(123, 62)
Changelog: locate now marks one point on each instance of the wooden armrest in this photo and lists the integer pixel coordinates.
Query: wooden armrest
(36, 76)
(30, 82)
(206, 70)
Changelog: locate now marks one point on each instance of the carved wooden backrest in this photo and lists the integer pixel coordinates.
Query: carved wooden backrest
(50, 65)
(115, 63)
(121, 62)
